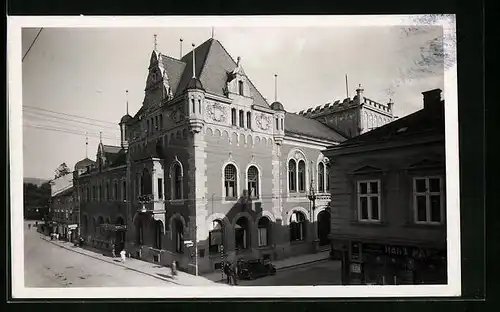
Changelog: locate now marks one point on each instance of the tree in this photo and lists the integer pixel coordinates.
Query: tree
(62, 170)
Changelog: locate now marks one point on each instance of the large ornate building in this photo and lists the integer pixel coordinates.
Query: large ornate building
(207, 167)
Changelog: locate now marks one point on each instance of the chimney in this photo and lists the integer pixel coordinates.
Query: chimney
(432, 98)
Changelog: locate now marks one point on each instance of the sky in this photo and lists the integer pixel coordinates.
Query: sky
(74, 79)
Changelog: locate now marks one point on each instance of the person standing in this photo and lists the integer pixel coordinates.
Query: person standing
(113, 250)
(226, 271)
(123, 255)
(233, 274)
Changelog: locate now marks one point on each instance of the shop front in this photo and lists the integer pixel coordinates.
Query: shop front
(387, 264)
(115, 235)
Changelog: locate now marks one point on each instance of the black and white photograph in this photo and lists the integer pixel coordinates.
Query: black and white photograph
(179, 157)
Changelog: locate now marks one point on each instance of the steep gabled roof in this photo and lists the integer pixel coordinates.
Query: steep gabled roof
(111, 149)
(212, 65)
(175, 69)
(296, 124)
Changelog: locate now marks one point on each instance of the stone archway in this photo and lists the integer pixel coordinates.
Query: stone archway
(324, 227)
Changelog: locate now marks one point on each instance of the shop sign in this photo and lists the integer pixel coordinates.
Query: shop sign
(72, 226)
(403, 251)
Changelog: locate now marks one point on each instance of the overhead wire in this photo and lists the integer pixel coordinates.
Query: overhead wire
(65, 119)
(70, 115)
(34, 40)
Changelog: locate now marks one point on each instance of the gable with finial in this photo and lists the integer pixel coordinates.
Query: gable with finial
(237, 81)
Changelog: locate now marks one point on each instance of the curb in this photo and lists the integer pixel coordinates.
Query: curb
(301, 264)
(115, 263)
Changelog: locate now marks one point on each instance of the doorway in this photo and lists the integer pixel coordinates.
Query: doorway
(324, 227)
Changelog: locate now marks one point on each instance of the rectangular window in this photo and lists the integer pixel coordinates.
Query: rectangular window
(428, 200)
(233, 117)
(369, 200)
(156, 123)
(249, 120)
(160, 188)
(242, 119)
(240, 87)
(161, 121)
(277, 124)
(115, 191)
(262, 237)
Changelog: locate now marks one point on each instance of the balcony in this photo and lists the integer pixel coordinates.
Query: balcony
(147, 203)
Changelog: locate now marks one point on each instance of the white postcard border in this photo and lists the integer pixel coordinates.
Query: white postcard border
(14, 92)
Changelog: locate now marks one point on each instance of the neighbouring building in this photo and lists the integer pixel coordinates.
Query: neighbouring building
(388, 200)
(63, 217)
(208, 170)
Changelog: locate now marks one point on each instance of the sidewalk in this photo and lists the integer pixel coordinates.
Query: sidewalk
(283, 264)
(151, 269)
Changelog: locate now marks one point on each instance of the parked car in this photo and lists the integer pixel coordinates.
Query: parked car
(252, 269)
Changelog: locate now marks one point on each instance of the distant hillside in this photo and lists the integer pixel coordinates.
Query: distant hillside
(35, 181)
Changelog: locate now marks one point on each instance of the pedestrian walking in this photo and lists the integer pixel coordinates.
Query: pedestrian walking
(113, 250)
(173, 268)
(123, 255)
(232, 271)
(226, 271)
(29, 226)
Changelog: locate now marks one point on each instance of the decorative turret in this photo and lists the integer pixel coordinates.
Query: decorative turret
(195, 96)
(279, 115)
(123, 127)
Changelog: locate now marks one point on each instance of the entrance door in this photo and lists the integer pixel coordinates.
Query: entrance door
(323, 227)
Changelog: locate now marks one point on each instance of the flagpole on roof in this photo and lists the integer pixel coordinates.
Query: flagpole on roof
(194, 64)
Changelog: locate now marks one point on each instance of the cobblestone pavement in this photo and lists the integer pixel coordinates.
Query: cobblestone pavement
(48, 265)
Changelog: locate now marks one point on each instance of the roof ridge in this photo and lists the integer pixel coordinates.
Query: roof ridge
(173, 58)
(206, 55)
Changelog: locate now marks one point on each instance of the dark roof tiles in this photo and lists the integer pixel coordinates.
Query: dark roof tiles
(296, 124)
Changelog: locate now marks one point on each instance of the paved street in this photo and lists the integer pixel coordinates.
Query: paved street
(321, 273)
(48, 265)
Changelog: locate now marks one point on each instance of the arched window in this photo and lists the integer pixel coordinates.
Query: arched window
(240, 87)
(158, 234)
(263, 229)
(241, 234)
(292, 176)
(297, 226)
(321, 177)
(327, 178)
(179, 236)
(230, 185)
(302, 176)
(215, 237)
(176, 181)
(253, 181)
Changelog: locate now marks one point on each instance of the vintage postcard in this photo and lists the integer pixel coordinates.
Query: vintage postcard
(249, 156)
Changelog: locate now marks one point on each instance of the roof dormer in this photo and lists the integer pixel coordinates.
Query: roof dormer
(237, 81)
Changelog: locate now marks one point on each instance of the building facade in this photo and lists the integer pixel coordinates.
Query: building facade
(209, 170)
(388, 200)
(64, 217)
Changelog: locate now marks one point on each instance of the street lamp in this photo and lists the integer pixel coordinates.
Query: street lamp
(312, 197)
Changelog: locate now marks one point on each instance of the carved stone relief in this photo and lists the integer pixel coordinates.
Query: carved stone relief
(176, 113)
(263, 121)
(217, 112)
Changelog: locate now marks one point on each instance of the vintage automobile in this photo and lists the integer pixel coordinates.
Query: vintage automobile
(252, 269)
